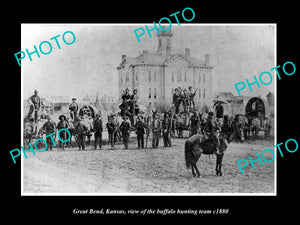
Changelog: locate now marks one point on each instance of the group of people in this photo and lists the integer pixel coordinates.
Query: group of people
(184, 97)
(129, 106)
(142, 128)
(159, 127)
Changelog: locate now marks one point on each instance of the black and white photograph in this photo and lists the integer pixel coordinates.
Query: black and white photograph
(180, 110)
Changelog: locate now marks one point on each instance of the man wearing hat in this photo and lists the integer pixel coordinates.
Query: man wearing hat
(134, 108)
(191, 95)
(125, 129)
(112, 128)
(97, 128)
(73, 109)
(166, 129)
(177, 100)
(212, 130)
(36, 101)
(140, 127)
(126, 96)
(49, 128)
(63, 123)
(156, 129)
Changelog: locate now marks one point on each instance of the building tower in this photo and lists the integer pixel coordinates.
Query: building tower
(165, 43)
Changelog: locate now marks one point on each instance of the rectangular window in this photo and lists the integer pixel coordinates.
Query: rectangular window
(121, 77)
(204, 78)
(136, 76)
(149, 76)
(149, 92)
(199, 78)
(172, 76)
(184, 76)
(154, 76)
(172, 91)
(203, 92)
(199, 93)
(154, 105)
(154, 92)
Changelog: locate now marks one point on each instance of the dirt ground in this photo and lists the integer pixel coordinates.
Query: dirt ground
(149, 170)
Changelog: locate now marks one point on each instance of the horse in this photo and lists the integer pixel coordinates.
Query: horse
(198, 144)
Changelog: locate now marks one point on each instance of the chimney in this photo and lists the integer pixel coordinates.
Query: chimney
(206, 59)
(187, 52)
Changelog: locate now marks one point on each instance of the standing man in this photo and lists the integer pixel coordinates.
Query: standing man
(166, 129)
(134, 105)
(63, 134)
(156, 129)
(191, 95)
(36, 101)
(112, 128)
(98, 128)
(126, 97)
(49, 128)
(177, 100)
(73, 109)
(185, 100)
(219, 110)
(125, 129)
(140, 127)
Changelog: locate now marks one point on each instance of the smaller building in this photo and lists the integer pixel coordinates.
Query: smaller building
(60, 103)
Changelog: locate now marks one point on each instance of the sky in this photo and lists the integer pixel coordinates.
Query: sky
(89, 65)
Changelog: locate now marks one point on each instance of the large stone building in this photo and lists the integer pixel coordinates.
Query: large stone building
(155, 75)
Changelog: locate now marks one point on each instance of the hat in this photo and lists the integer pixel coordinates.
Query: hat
(62, 116)
(140, 117)
(211, 113)
(35, 91)
(74, 99)
(98, 115)
(134, 90)
(190, 87)
(125, 117)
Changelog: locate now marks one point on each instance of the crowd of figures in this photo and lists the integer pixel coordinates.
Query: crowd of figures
(166, 125)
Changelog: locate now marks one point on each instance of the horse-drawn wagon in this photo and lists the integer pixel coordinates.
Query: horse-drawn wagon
(257, 112)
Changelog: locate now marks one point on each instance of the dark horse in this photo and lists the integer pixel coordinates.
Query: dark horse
(197, 145)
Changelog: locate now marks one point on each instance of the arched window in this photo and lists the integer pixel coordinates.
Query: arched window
(203, 78)
(172, 76)
(149, 76)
